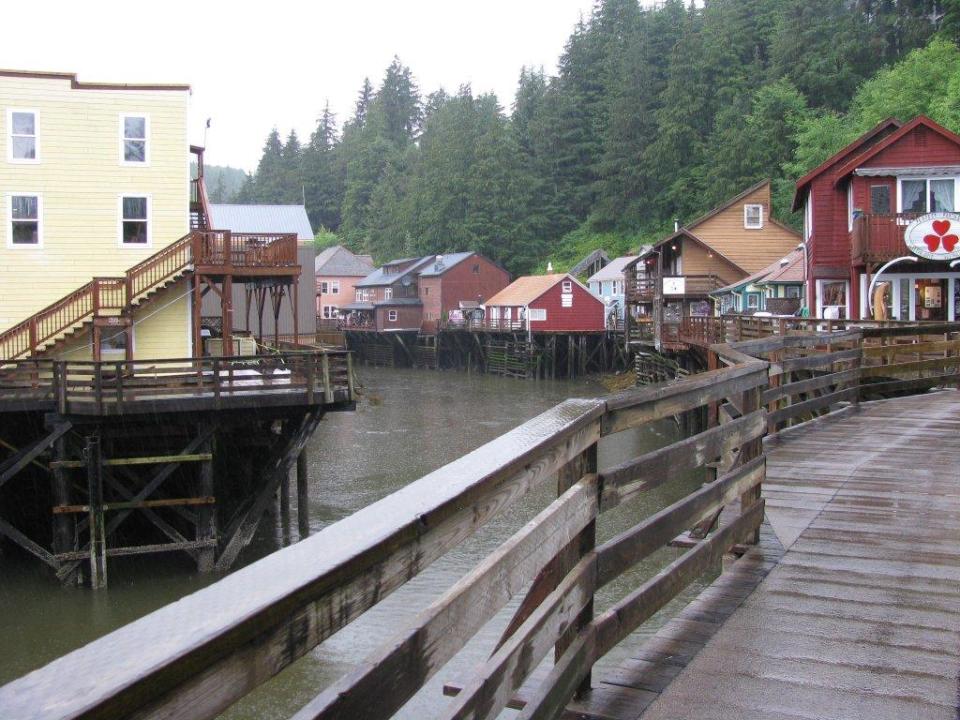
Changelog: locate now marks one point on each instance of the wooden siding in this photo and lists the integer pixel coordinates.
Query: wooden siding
(752, 250)
(346, 295)
(586, 314)
(409, 317)
(431, 295)
(461, 283)
(697, 260)
(80, 179)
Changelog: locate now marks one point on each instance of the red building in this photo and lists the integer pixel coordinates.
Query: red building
(863, 205)
(547, 303)
(452, 282)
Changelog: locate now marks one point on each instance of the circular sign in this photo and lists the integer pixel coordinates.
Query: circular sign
(935, 236)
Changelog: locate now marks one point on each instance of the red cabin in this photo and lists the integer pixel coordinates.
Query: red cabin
(857, 206)
(546, 303)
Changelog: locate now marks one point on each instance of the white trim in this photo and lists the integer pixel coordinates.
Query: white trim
(850, 206)
(807, 219)
(194, 353)
(392, 315)
(36, 137)
(149, 198)
(146, 140)
(926, 192)
(951, 277)
(747, 225)
(819, 294)
(9, 226)
(116, 354)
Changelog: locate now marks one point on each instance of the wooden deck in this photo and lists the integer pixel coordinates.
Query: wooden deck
(856, 616)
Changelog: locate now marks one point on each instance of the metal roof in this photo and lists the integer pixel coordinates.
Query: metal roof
(614, 270)
(442, 263)
(378, 278)
(262, 219)
(338, 261)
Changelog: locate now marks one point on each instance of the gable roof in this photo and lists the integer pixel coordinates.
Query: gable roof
(339, 261)
(598, 254)
(614, 269)
(895, 136)
(262, 219)
(447, 262)
(379, 278)
(524, 290)
(782, 269)
(729, 203)
(684, 232)
(882, 126)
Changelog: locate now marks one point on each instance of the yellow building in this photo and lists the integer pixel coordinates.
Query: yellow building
(104, 251)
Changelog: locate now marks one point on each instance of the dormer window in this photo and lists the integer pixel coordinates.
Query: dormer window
(753, 217)
(22, 142)
(133, 139)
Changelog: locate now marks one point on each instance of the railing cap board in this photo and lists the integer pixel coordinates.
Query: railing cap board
(141, 661)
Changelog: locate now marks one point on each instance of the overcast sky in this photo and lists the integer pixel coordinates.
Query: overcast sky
(256, 65)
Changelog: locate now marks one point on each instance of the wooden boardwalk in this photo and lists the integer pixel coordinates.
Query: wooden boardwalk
(855, 606)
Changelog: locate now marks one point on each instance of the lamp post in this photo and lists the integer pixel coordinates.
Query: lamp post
(873, 281)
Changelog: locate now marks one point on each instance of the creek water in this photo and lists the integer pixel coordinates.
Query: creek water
(411, 422)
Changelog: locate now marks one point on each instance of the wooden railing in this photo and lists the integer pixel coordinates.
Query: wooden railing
(209, 248)
(481, 324)
(223, 641)
(640, 289)
(878, 237)
(125, 387)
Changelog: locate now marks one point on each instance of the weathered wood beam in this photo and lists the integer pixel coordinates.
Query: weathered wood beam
(29, 545)
(120, 462)
(11, 466)
(384, 681)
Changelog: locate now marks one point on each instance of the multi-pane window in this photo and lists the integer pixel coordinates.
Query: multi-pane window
(330, 311)
(388, 293)
(334, 287)
(134, 220)
(25, 220)
(753, 217)
(922, 195)
(391, 315)
(133, 143)
(23, 135)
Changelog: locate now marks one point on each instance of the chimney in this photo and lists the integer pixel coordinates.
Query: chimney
(438, 265)
(676, 224)
(549, 267)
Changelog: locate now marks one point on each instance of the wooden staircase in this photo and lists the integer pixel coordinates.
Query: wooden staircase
(216, 250)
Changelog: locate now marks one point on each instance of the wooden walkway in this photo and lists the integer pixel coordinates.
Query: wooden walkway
(849, 609)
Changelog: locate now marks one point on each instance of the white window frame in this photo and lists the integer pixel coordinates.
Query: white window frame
(388, 293)
(36, 137)
(330, 312)
(819, 295)
(850, 206)
(334, 287)
(391, 315)
(115, 352)
(149, 242)
(537, 314)
(324, 287)
(746, 216)
(926, 191)
(24, 246)
(566, 286)
(808, 218)
(146, 140)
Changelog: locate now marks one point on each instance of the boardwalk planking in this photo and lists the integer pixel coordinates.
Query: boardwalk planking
(858, 617)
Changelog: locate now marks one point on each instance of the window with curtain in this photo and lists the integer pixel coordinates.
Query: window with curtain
(928, 195)
(913, 196)
(941, 195)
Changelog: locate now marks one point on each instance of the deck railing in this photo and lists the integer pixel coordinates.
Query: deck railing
(878, 237)
(220, 248)
(128, 387)
(194, 658)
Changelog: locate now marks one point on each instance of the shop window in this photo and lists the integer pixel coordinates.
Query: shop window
(833, 299)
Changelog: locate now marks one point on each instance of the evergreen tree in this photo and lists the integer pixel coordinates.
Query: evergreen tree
(270, 180)
(323, 176)
(293, 180)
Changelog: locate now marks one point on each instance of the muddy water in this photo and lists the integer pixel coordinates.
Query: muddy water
(411, 423)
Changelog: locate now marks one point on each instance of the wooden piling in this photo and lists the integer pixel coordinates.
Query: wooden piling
(64, 526)
(303, 495)
(98, 540)
(206, 514)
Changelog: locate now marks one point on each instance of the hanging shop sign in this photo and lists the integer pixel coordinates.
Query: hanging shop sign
(935, 236)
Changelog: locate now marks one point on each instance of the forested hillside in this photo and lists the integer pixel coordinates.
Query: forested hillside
(654, 114)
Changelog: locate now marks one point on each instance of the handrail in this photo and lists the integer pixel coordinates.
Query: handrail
(197, 656)
(208, 247)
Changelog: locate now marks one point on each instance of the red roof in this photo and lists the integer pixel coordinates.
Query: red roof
(802, 183)
(524, 290)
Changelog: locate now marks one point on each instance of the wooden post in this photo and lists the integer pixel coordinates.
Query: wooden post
(98, 540)
(226, 309)
(584, 543)
(195, 310)
(64, 524)
(206, 514)
(296, 310)
(750, 450)
(303, 494)
(571, 350)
